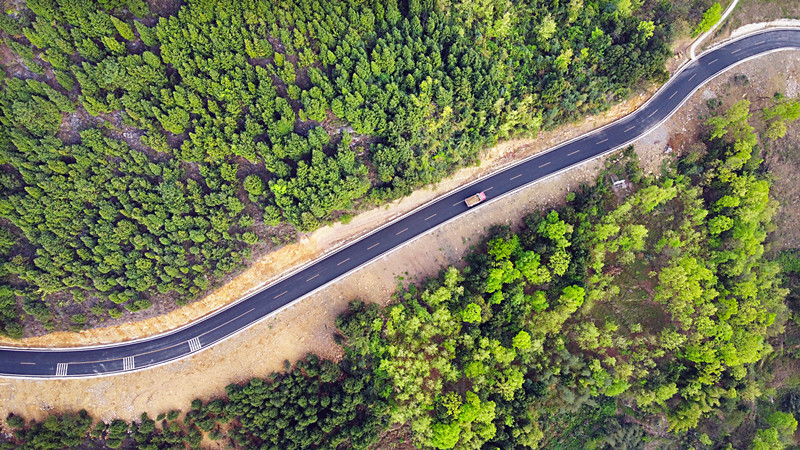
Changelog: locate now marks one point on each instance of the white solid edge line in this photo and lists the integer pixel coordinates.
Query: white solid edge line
(500, 170)
(703, 36)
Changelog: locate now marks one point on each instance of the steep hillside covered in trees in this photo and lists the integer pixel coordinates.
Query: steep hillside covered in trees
(143, 158)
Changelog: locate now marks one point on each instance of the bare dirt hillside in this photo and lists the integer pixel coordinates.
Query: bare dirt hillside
(751, 15)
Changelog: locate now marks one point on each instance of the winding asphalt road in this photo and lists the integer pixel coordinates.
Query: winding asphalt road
(160, 349)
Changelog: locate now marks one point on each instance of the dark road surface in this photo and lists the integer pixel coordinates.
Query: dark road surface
(135, 355)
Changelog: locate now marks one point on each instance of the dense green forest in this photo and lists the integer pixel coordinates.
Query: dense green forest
(143, 158)
(649, 314)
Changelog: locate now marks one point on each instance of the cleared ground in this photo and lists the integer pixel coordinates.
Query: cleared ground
(753, 11)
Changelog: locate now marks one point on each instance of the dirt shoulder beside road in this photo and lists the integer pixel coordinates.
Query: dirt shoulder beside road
(308, 325)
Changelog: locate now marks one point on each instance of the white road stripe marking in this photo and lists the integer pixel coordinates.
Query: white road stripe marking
(401, 231)
(596, 143)
(280, 294)
(514, 178)
(577, 151)
(375, 245)
(128, 363)
(759, 42)
(429, 217)
(220, 326)
(28, 363)
(194, 344)
(629, 129)
(736, 51)
(342, 262)
(488, 189)
(545, 164)
(712, 62)
(690, 78)
(456, 204)
(315, 276)
(673, 95)
(651, 114)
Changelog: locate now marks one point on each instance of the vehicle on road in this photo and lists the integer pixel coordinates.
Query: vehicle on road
(475, 199)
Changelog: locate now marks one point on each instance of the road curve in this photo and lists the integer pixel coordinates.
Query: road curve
(703, 36)
(192, 338)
